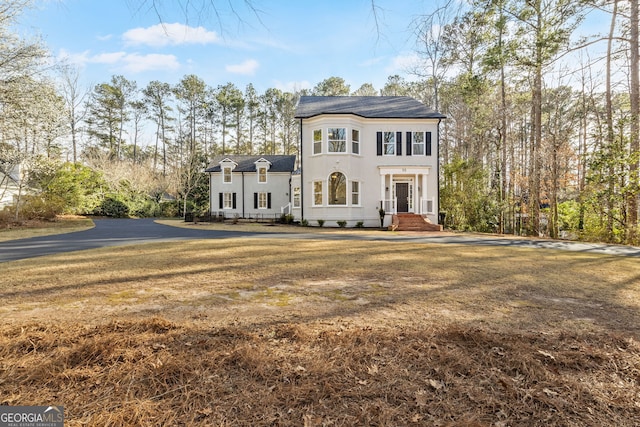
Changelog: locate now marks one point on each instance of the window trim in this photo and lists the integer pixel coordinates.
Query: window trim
(227, 204)
(318, 192)
(317, 143)
(261, 170)
(421, 144)
(330, 189)
(355, 143)
(263, 197)
(388, 143)
(227, 171)
(297, 199)
(356, 192)
(343, 142)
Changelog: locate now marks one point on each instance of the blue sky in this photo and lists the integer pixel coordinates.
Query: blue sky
(290, 44)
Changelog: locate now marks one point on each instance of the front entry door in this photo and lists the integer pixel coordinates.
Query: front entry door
(402, 196)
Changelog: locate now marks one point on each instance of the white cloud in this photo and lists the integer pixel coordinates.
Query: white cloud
(247, 68)
(107, 58)
(128, 62)
(136, 63)
(160, 35)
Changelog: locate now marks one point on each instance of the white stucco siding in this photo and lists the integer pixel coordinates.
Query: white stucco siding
(366, 168)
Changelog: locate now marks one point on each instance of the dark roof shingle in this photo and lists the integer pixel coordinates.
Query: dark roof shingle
(375, 107)
(279, 163)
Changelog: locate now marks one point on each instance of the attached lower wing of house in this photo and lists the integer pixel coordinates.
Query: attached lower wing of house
(257, 187)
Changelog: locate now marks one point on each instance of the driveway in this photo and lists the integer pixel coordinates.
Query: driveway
(117, 232)
(107, 232)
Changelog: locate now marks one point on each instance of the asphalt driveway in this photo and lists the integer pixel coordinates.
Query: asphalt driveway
(107, 232)
(117, 232)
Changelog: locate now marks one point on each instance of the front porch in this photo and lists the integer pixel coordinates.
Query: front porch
(406, 190)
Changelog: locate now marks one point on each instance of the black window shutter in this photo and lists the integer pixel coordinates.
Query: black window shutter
(428, 143)
(268, 200)
(220, 201)
(379, 139)
(399, 143)
(255, 200)
(408, 143)
(234, 200)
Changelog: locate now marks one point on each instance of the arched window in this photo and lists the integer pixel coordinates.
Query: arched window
(337, 189)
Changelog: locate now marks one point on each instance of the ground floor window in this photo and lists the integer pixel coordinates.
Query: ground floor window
(337, 189)
(317, 193)
(296, 197)
(227, 200)
(355, 193)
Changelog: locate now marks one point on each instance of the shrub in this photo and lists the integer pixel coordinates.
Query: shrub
(320, 222)
(304, 223)
(286, 219)
(37, 207)
(169, 209)
(113, 208)
(341, 224)
(360, 224)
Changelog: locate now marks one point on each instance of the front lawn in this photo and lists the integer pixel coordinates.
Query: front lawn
(308, 332)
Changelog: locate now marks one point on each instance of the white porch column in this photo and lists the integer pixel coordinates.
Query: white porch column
(416, 196)
(383, 179)
(392, 193)
(424, 188)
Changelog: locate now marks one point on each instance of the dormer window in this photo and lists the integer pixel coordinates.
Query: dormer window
(227, 166)
(262, 166)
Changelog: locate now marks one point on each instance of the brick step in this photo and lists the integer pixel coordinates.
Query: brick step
(413, 222)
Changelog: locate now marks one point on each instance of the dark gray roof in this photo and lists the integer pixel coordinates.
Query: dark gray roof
(280, 163)
(374, 107)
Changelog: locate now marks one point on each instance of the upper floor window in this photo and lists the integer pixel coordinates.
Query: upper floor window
(355, 141)
(337, 140)
(337, 189)
(389, 143)
(418, 144)
(317, 141)
(262, 174)
(226, 175)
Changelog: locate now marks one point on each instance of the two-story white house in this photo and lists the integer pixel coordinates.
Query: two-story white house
(361, 154)
(250, 186)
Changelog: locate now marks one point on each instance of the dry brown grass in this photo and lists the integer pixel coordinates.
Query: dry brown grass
(311, 332)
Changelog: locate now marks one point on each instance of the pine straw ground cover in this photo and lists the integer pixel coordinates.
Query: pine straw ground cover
(323, 333)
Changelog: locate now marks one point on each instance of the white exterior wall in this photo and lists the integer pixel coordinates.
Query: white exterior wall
(277, 184)
(376, 174)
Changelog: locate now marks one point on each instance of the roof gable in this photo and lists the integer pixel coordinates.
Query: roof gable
(278, 163)
(378, 107)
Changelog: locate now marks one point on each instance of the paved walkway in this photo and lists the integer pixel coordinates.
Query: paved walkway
(116, 232)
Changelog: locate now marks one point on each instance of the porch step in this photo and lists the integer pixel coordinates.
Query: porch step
(413, 222)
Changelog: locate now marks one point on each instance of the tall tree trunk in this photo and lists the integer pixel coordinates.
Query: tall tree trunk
(634, 138)
(609, 120)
